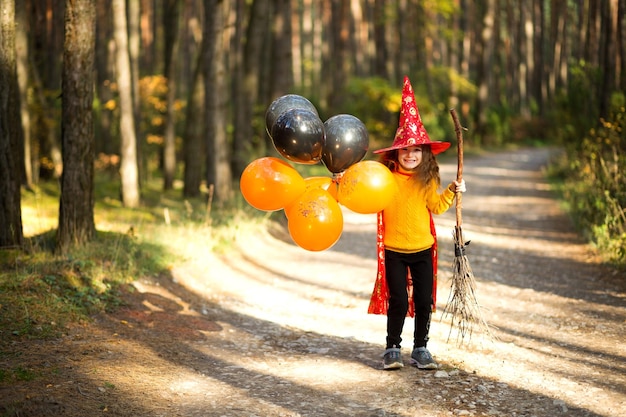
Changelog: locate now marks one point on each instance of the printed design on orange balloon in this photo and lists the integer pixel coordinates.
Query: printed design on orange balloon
(367, 187)
(315, 220)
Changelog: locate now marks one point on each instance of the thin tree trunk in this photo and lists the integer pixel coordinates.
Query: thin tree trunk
(128, 167)
(194, 152)
(620, 64)
(219, 174)
(399, 40)
(466, 50)
(170, 23)
(511, 65)
(105, 71)
(527, 63)
(359, 48)
(76, 216)
(537, 84)
(134, 44)
(609, 27)
(282, 52)
(381, 57)
(340, 62)
(248, 92)
(483, 43)
(297, 43)
(21, 43)
(11, 233)
(317, 86)
(147, 32)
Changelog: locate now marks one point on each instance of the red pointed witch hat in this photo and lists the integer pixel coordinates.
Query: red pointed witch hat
(411, 131)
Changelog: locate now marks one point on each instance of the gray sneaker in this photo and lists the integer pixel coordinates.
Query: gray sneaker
(422, 358)
(392, 359)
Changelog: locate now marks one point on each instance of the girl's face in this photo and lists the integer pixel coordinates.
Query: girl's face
(409, 158)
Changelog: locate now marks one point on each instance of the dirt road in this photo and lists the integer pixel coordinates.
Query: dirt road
(274, 330)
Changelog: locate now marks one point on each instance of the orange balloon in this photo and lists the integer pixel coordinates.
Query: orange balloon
(310, 183)
(367, 187)
(325, 183)
(270, 184)
(315, 220)
(319, 182)
(333, 189)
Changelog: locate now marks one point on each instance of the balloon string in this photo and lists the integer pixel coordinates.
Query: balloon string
(337, 177)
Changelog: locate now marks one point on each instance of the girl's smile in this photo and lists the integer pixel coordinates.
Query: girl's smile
(410, 157)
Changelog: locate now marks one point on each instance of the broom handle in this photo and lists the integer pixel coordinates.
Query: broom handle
(459, 167)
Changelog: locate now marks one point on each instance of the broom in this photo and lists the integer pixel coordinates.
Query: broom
(462, 304)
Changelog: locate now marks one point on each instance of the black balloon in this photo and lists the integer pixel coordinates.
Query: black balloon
(298, 135)
(284, 103)
(346, 142)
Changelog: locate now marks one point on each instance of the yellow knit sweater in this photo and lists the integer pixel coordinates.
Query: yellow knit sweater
(406, 219)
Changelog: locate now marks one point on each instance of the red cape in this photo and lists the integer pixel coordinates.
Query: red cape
(379, 302)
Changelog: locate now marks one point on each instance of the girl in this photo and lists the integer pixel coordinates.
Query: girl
(407, 251)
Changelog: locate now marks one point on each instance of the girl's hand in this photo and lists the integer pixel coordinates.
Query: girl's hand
(457, 186)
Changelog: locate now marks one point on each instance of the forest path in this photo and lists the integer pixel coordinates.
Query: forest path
(273, 330)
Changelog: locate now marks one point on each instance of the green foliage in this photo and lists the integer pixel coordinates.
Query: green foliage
(446, 82)
(575, 108)
(377, 104)
(595, 185)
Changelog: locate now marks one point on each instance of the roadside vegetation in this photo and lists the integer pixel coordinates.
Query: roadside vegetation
(590, 178)
(41, 293)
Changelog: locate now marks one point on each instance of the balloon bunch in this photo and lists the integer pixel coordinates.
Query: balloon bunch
(312, 205)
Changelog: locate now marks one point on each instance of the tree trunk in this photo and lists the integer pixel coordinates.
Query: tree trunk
(134, 44)
(248, 87)
(76, 216)
(21, 43)
(537, 84)
(484, 20)
(282, 55)
(340, 62)
(620, 64)
(11, 234)
(381, 56)
(128, 168)
(170, 24)
(359, 42)
(611, 55)
(218, 167)
(310, 35)
(147, 33)
(105, 72)
(526, 61)
(194, 152)
(511, 56)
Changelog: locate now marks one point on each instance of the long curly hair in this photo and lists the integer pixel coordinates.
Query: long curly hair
(427, 171)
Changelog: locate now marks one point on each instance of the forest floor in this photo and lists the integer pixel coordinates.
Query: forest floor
(270, 329)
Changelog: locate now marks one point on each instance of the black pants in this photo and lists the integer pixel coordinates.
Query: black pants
(421, 266)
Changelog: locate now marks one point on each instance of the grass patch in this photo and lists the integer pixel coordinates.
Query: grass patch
(42, 293)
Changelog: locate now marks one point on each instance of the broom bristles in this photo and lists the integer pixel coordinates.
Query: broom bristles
(462, 304)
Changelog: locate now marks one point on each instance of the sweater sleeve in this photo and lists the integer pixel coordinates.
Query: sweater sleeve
(439, 203)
